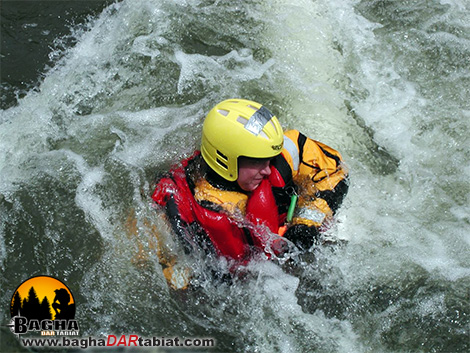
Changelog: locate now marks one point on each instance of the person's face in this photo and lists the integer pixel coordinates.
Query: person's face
(251, 172)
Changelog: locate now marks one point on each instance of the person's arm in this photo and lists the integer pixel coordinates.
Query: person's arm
(179, 214)
(175, 269)
(322, 179)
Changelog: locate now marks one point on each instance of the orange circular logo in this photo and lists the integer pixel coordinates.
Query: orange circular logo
(43, 298)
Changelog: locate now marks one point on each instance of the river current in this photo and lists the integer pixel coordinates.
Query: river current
(124, 96)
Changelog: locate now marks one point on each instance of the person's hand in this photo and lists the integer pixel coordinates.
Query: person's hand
(303, 236)
(279, 246)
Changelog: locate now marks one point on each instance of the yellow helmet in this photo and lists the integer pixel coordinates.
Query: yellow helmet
(235, 128)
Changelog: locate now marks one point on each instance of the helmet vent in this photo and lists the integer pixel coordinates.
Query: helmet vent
(242, 120)
(222, 161)
(222, 164)
(223, 112)
(221, 155)
(252, 107)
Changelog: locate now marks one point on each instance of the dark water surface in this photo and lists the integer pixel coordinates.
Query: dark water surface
(29, 33)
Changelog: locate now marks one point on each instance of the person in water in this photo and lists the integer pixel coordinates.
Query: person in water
(252, 185)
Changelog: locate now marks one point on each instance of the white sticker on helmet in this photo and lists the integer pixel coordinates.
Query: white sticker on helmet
(258, 120)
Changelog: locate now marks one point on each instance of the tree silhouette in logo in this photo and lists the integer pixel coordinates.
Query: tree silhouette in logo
(61, 306)
(34, 309)
(31, 306)
(16, 305)
(45, 310)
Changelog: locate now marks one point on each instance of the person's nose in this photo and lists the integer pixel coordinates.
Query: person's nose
(266, 171)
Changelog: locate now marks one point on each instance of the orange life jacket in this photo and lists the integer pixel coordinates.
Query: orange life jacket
(230, 236)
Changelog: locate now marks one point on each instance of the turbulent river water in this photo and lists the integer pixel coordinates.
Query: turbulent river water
(384, 82)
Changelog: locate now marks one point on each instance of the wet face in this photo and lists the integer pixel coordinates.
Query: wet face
(251, 172)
